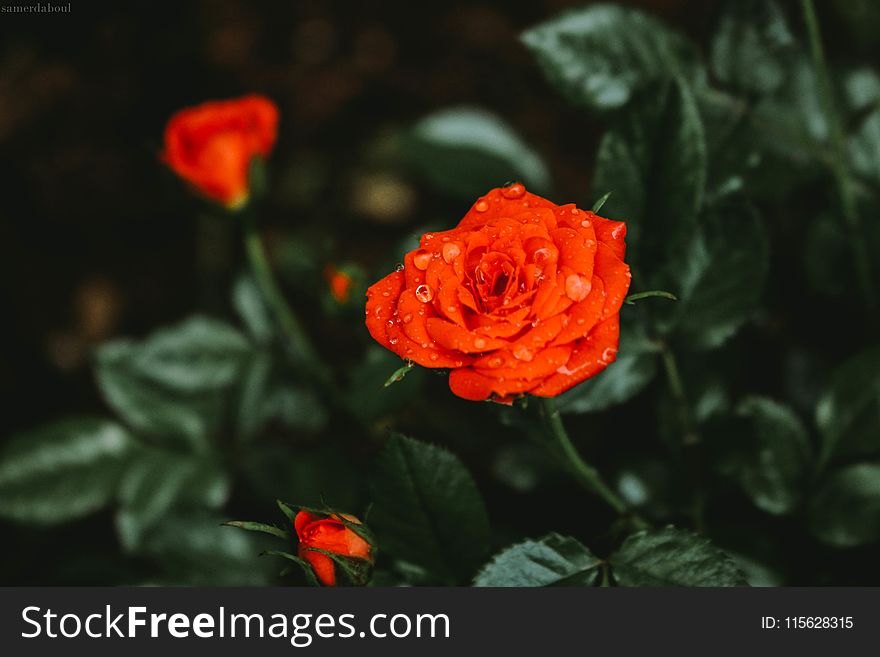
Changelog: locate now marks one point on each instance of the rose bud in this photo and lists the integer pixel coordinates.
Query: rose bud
(523, 296)
(340, 283)
(211, 145)
(330, 534)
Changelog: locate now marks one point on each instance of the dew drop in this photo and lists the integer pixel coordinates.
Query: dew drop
(386, 294)
(608, 354)
(481, 206)
(516, 190)
(407, 318)
(580, 321)
(392, 341)
(586, 223)
(433, 356)
(398, 267)
(424, 293)
(422, 258)
(496, 362)
(479, 343)
(450, 252)
(541, 255)
(522, 352)
(576, 212)
(577, 287)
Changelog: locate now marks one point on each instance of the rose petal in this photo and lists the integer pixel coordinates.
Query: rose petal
(615, 275)
(590, 356)
(583, 316)
(382, 299)
(455, 338)
(612, 233)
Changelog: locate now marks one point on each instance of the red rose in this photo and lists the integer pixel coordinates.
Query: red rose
(523, 296)
(211, 145)
(330, 534)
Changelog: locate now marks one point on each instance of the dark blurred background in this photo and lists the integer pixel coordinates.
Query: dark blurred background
(99, 240)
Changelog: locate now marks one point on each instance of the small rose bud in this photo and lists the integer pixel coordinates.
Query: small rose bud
(340, 283)
(211, 145)
(330, 534)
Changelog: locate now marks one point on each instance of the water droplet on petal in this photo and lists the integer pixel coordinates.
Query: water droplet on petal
(392, 341)
(496, 362)
(424, 293)
(577, 287)
(450, 252)
(541, 255)
(609, 354)
(386, 294)
(398, 267)
(581, 321)
(422, 258)
(516, 190)
(522, 352)
(433, 356)
(479, 343)
(586, 223)
(481, 206)
(407, 318)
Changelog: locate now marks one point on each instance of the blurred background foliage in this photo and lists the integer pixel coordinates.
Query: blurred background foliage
(148, 396)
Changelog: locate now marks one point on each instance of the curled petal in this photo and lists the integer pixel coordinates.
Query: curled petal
(616, 277)
(590, 356)
(453, 337)
(382, 299)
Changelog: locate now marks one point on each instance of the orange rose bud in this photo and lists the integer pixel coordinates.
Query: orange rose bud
(523, 296)
(211, 145)
(340, 283)
(330, 534)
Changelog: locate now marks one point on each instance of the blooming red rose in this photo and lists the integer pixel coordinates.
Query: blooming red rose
(211, 145)
(330, 534)
(523, 296)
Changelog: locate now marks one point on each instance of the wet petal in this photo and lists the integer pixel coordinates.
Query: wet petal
(590, 356)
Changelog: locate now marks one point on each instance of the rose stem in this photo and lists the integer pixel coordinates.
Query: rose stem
(846, 192)
(691, 442)
(297, 337)
(586, 474)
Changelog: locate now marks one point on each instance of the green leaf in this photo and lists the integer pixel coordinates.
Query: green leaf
(62, 471)
(550, 561)
(597, 206)
(864, 148)
(719, 279)
(258, 527)
(845, 511)
(752, 46)
(304, 565)
(366, 395)
(848, 414)
(172, 385)
(767, 450)
(598, 56)
(197, 354)
(466, 151)
(861, 91)
(159, 481)
(251, 307)
(635, 367)
(195, 549)
(427, 509)
(673, 557)
(654, 162)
